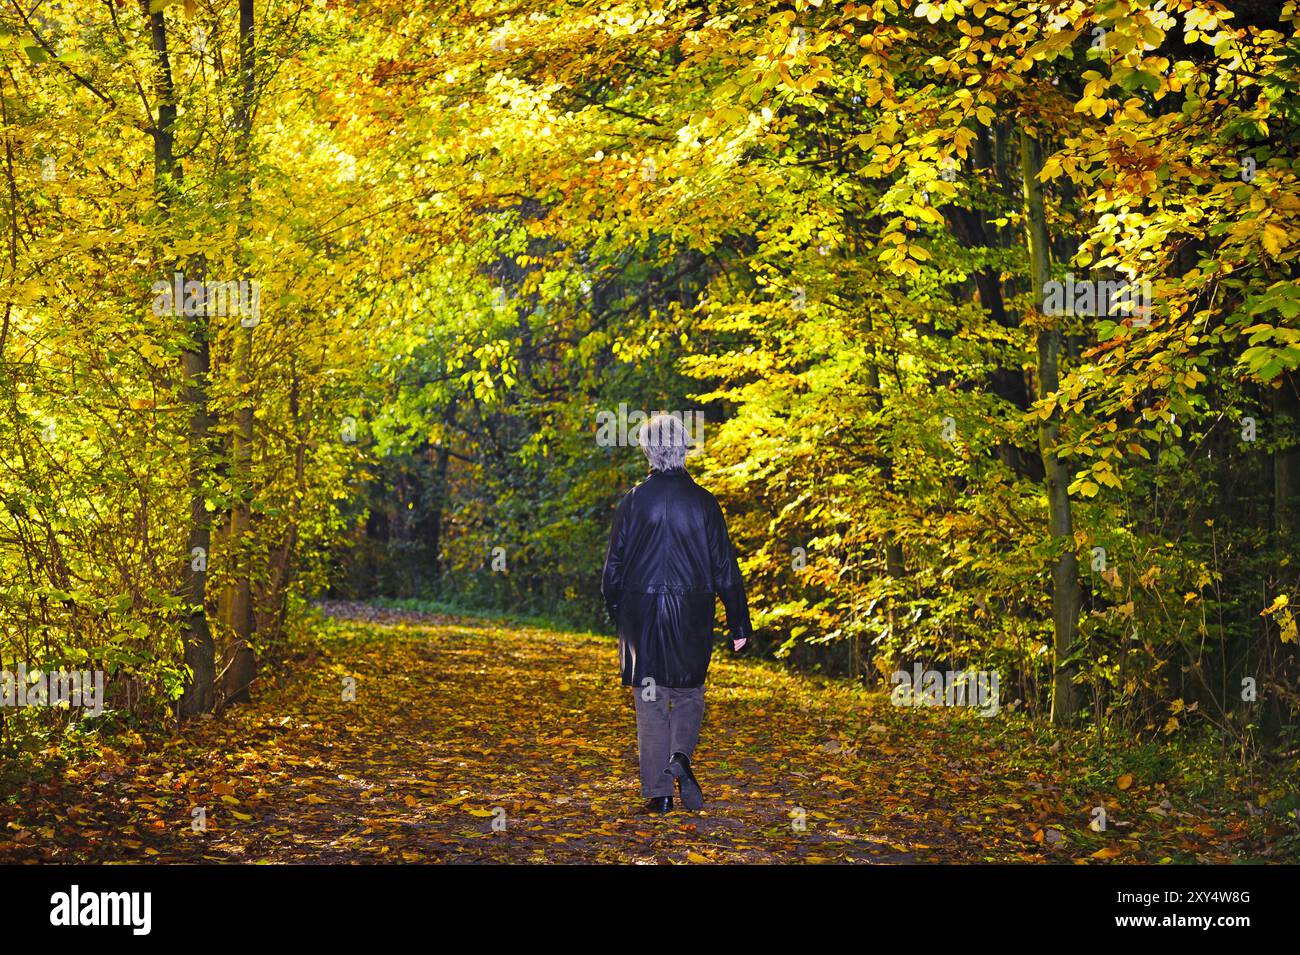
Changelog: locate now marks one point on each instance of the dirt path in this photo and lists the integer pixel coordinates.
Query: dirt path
(470, 741)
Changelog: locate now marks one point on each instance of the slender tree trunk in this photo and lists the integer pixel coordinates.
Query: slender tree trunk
(895, 558)
(8, 280)
(243, 665)
(1065, 570)
(1286, 460)
(197, 695)
(440, 461)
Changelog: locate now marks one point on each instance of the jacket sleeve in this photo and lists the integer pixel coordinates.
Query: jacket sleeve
(611, 581)
(727, 582)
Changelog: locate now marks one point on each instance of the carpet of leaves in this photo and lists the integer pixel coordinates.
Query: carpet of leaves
(476, 741)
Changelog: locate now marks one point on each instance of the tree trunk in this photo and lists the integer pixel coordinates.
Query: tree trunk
(197, 695)
(243, 664)
(1286, 460)
(440, 461)
(1065, 570)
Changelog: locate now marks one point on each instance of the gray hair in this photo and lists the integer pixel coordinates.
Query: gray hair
(664, 439)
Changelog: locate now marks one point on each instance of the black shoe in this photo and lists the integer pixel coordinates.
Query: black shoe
(657, 806)
(679, 767)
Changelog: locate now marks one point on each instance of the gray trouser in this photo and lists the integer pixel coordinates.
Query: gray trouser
(670, 723)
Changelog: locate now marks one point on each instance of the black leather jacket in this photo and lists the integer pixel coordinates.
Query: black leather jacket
(668, 555)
